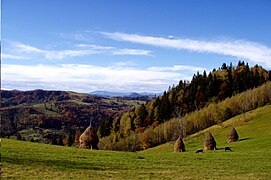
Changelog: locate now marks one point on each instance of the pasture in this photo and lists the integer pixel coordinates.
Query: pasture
(250, 157)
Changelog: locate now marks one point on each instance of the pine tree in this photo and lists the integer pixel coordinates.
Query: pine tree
(224, 66)
(165, 107)
(60, 141)
(54, 140)
(230, 82)
(19, 137)
(269, 75)
(70, 140)
(200, 98)
(141, 114)
(104, 127)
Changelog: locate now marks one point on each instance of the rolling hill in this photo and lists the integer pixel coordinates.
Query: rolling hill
(250, 158)
(200, 101)
(39, 114)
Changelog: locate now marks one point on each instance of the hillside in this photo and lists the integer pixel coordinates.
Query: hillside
(213, 114)
(39, 115)
(250, 158)
(184, 99)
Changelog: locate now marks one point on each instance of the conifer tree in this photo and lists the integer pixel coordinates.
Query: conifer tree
(60, 141)
(70, 140)
(141, 114)
(19, 137)
(54, 140)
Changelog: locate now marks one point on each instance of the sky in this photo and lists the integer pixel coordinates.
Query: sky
(127, 46)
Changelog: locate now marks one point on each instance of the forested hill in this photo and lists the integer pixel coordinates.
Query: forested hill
(15, 97)
(187, 96)
(39, 114)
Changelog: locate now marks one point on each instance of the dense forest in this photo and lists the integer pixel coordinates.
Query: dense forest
(188, 97)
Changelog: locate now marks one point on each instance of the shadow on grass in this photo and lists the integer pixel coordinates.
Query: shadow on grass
(243, 139)
(61, 164)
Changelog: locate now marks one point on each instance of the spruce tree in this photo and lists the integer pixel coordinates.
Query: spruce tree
(60, 141)
(54, 140)
(70, 140)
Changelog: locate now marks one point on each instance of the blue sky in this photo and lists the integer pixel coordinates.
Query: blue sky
(120, 45)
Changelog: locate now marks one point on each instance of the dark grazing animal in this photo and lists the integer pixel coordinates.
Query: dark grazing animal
(199, 150)
(227, 148)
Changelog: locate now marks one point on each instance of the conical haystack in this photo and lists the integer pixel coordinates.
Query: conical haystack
(209, 142)
(232, 135)
(179, 145)
(89, 139)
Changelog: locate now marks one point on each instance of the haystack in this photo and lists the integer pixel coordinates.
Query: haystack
(232, 135)
(209, 142)
(179, 145)
(89, 139)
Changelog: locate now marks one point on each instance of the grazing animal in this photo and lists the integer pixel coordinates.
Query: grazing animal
(227, 148)
(199, 150)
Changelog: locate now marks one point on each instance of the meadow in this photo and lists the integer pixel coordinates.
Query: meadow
(250, 157)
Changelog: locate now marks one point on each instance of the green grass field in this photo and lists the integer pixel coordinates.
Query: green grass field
(250, 158)
(41, 108)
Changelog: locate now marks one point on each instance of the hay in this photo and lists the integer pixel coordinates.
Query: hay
(89, 139)
(209, 142)
(232, 135)
(179, 145)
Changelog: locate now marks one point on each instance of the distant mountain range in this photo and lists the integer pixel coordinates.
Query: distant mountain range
(123, 94)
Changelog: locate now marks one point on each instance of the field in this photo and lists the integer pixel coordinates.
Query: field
(250, 158)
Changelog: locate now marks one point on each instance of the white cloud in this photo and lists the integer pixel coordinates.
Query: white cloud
(124, 64)
(178, 68)
(117, 51)
(96, 47)
(86, 78)
(11, 56)
(51, 54)
(79, 50)
(27, 48)
(252, 51)
(131, 52)
(85, 36)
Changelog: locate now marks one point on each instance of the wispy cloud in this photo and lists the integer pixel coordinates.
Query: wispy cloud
(96, 47)
(117, 51)
(178, 68)
(51, 54)
(78, 36)
(11, 56)
(252, 51)
(85, 78)
(131, 52)
(124, 64)
(78, 50)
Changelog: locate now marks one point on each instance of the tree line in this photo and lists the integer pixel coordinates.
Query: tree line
(214, 113)
(187, 97)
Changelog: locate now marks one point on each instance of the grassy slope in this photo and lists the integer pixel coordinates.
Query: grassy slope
(41, 108)
(250, 158)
